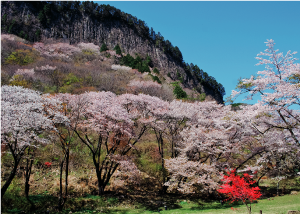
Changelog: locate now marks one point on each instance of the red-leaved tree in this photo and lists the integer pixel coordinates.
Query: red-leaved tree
(238, 188)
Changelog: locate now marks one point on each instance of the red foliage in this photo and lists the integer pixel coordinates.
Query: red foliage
(48, 164)
(238, 188)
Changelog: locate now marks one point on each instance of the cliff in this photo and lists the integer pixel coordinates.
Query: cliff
(38, 21)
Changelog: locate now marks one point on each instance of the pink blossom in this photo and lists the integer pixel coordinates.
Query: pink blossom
(29, 72)
(89, 46)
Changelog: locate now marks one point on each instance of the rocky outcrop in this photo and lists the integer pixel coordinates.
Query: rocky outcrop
(80, 27)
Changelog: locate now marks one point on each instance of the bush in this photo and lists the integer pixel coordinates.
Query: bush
(21, 57)
(155, 78)
(4, 78)
(19, 80)
(202, 97)
(179, 92)
(155, 70)
(71, 78)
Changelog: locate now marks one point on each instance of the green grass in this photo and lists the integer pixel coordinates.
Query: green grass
(94, 204)
(276, 205)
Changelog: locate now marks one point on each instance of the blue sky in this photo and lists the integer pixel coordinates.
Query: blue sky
(222, 38)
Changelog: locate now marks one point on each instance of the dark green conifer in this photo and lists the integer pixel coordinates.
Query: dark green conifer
(118, 49)
(103, 47)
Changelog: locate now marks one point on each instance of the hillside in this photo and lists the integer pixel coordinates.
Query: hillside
(73, 23)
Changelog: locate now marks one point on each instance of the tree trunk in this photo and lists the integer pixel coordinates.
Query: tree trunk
(60, 201)
(67, 173)
(248, 208)
(63, 197)
(28, 173)
(101, 185)
(161, 146)
(27, 177)
(101, 189)
(10, 178)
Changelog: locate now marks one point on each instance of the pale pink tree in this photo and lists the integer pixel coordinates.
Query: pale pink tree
(72, 107)
(270, 150)
(26, 72)
(207, 143)
(151, 112)
(146, 87)
(61, 50)
(110, 126)
(275, 117)
(89, 47)
(24, 116)
(278, 87)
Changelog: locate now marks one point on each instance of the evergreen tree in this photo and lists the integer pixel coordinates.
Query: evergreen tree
(149, 61)
(103, 48)
(155, 70)
(179, 92)
(118, 49)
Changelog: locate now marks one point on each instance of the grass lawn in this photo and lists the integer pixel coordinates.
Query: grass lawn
(276, 205)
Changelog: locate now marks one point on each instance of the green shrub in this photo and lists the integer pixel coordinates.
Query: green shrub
(4, 17)
(21, 34)
(38, 33)
(236, 104)
(155, 78)
(179, 92)
(19, 80)
(71, 78)
(202, 97)
(21, 57)
(4, 78)
(10, 27)
(155, 70)
(144, 68)
(41, 16)
(68, 83)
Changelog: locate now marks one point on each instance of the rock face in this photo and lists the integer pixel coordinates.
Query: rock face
(24, 17)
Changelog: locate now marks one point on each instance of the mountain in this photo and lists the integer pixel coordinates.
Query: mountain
(75, 22)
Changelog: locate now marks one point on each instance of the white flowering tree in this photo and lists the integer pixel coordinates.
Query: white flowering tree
(279, 88)
(110, 126)
(65, 134)
(24, 116)
(276, 116)
(207, 144)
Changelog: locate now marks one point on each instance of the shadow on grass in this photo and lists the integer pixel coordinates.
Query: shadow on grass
(34, 204)
(89, 204)
(217, 205)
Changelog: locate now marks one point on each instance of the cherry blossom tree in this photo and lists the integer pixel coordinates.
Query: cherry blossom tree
(61, 50)
(146, 87)
(271, 151)
(278, 88)
(275, 118)
(207, 144)
(110, 126)
(29, 72)
(24, 117)
(65, 133)
(89, 47)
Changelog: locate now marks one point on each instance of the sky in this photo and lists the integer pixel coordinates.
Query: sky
(221, 37)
